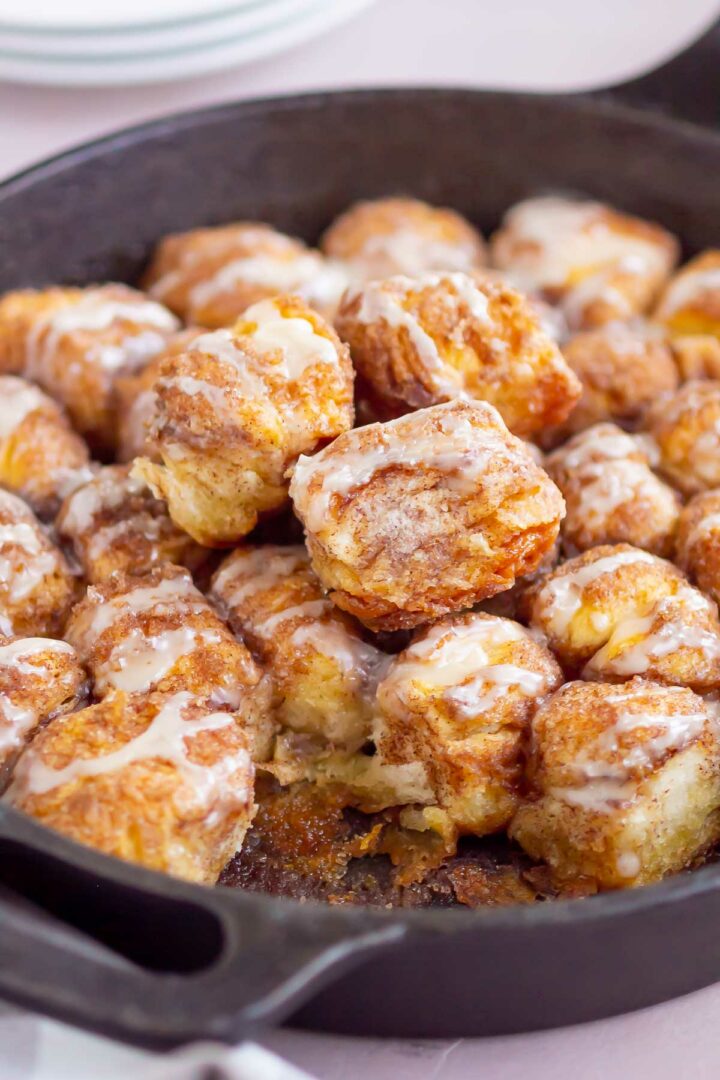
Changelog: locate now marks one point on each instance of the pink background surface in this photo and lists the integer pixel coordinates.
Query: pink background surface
(557, 44)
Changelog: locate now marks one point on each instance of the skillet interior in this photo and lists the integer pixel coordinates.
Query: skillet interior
(95, 213)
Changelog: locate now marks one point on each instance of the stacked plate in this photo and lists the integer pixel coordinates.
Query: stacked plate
(114, 42)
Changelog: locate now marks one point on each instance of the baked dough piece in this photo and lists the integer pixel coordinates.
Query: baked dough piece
(324, 674)
(617, 611)
(39, 679)
(210, 276)
(690, 309)
(424, 515)
(623, 368)
(115, 523)
(41, 457)
(37, 588)
(381, 237)
(686, 428)
(625, 783)
(159, 633)
(611, 493)
(135, 399)
(599, 264)
(459, 701)
(417, 342)
(166, 782)
(690, 303)
(698, 542)
(76, 342)
(233, 413)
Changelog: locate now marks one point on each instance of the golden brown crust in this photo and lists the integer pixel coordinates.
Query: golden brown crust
(76, 342)
(382, 237)
(459, 701)
(623, 367)
(626, 783)
(698, 542)
(115, 524)
(427, 514)
(164, 782)
(418, 342)
(39, 679)
(233, 413)
(210, 276)
(37, 588)
(134, 399)
(158, 633)
(690, 303)
(41, 458)
(616, 611)
(686, 427)
(323, 673)
(611, 493)
(599, 264)
(697, 356)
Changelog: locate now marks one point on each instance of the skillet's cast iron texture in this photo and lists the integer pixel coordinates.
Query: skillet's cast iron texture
(159, 962)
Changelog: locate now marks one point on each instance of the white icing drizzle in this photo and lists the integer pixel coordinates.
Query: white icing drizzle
(599, 794)
(458, 660)
(601, 286)
(286, 271)
(95, 312)
(25, 657)
(25, 559)
(136, 424)
(165, 739)
(18, 399)
(67, 481)
(311, 609)
(606, 486)
(408, 250)
(672, 633)
(628, 864)
(604, 441)
(328, 636)
(171, 595)
(190, 386)
(562, 594)
(605, 783)
(603, 473)
(105, 491)
(139, 661)
(688, 289)
(546, 240)
(222, 345)
(109, 491)
(705, 527)
(250, 572)
(384, 301)
(295, 337)
(19, 654)
(222, 242)
(705, 454)
(460, 449)
(379, 303)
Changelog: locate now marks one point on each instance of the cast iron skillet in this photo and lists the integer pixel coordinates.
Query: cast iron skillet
(158, 962)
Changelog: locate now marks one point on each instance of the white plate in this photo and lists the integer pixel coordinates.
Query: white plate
(93, 15)
(179, 63)
(128, 44)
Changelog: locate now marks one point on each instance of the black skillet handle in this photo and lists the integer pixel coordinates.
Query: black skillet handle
(686, 87)
(152, 960)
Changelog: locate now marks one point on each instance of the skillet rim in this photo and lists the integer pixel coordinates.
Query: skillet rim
(599, 103)
(597, 908)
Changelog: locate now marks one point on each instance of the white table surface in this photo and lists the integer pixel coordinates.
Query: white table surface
(528, 44)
